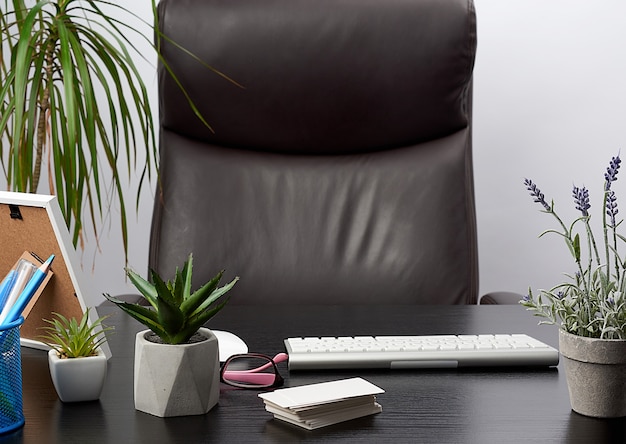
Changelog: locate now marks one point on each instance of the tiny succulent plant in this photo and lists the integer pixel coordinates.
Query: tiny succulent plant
(175, 313)
(74, 339)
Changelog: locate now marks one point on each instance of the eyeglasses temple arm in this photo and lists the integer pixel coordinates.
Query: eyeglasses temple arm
(251, 378)
(280, 357)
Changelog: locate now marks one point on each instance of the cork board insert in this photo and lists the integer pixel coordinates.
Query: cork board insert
(32, 232)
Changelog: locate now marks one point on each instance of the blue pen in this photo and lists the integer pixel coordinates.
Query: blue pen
(29, 291)
(5, 288)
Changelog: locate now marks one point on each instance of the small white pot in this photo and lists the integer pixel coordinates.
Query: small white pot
(78, 379)
(176, 380)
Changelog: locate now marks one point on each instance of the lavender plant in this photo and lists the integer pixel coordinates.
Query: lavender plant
(592, 302)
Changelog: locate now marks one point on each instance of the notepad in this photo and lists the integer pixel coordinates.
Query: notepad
(319, 405)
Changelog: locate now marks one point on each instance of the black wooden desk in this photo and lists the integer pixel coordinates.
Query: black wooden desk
(434, 406)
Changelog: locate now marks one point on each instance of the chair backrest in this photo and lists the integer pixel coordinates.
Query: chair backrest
(340, 171)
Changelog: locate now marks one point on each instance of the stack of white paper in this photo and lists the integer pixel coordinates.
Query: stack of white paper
(318, 405)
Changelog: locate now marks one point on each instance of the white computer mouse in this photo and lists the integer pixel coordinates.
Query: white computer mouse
(229, 344)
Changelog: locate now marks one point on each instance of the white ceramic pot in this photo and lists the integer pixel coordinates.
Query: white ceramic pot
(78, 379)
(596, 374)
(176, 380)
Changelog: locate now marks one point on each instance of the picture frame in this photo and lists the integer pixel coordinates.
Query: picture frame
(34, 223)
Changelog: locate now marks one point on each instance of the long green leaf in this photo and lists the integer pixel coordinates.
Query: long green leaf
(200, 295)
(215, 296)
(170, 317)
(147, 317)
(162, 289)
(23, 53)
(198, 320)
(148, 290)
(186, 279)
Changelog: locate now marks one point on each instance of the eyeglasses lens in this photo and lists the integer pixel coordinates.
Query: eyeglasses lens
(249, 371)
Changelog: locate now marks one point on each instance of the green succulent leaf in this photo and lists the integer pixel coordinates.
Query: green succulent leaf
(178, 287)
(164, 290)
(186, 276)
(199, 296)
(147, 290)
(216, 295)
(202, 317)
(197, 321)
(170, 316)
(142, 314)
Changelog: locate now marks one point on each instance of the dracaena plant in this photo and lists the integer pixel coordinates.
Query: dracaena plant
(592, 302)
(174, 312)
(71, 93)
(72, 338)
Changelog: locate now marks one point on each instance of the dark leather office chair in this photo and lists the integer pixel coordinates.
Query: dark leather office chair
(341, 171)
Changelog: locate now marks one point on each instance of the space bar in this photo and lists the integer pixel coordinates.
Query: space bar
(399, 365)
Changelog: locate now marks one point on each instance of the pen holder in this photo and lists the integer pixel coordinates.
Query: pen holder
(11, 411)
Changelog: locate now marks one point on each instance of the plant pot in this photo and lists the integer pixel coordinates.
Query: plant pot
(176, 380)
(596, 374)
(78, 379)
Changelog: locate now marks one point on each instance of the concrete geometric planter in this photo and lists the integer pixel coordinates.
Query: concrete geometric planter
(176, 380)
(596, 374)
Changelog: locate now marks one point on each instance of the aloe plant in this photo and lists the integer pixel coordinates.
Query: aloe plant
(175, 313)
(74, 339)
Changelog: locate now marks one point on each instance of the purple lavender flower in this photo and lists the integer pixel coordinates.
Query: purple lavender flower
(581, 199)
(611, 206)
(611, 172)
(536, 193)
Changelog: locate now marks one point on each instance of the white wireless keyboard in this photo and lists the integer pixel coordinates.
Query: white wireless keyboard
(405, 352)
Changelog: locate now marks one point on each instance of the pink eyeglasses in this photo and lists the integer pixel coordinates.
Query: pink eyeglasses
(253, 370)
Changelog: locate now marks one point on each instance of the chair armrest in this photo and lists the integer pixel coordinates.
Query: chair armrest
(501, 298)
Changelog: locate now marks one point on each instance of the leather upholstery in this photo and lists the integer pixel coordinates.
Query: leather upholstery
(340, 171)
